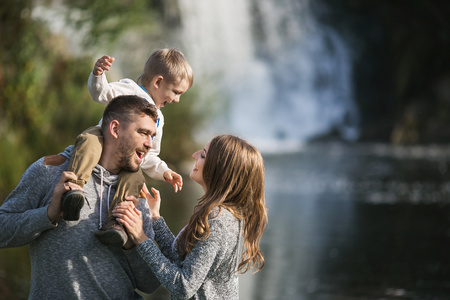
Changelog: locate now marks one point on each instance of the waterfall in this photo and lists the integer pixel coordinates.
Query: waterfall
(285, 77)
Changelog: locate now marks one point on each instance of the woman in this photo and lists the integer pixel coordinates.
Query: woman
(203, 261)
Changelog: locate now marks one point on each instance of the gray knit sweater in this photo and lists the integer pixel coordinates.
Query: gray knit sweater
(209, 271)
(67, 261)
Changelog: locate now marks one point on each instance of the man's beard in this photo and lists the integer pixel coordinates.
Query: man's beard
(126, 157)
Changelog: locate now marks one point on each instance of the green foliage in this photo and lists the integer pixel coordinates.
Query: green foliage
(108, 19)
(15, 275)
(44, 102)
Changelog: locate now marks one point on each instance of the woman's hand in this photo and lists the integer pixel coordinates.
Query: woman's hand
(154, 202)
(131, 218)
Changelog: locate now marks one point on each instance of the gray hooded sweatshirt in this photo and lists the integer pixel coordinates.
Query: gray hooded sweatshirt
(67, 261)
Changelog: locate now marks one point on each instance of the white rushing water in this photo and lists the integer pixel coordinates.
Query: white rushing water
(268, 71)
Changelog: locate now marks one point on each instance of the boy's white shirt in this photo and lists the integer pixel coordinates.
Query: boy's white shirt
(102, 92)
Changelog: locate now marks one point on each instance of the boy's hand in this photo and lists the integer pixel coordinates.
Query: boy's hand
(174, 179)
(102, 64)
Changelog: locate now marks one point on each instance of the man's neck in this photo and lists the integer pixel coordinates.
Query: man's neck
(109, 162)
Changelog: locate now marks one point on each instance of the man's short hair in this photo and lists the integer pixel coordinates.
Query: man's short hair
(125, 109)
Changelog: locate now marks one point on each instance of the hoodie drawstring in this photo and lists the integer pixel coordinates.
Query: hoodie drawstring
(101, 198)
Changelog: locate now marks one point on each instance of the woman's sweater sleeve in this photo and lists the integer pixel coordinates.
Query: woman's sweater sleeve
(184, 278)
(165, 239)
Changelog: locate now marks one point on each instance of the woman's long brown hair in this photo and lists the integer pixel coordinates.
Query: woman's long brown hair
(234, 176)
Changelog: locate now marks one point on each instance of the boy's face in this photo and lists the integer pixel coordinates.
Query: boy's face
(164, 92)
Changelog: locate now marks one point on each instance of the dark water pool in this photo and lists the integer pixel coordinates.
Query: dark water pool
(356, 222)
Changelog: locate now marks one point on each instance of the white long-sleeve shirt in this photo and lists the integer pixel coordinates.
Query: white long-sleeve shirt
(102, 92)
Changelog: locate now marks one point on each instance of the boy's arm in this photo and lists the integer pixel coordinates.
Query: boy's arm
(155, 167)
(102, 92)
(23, 216)
(152, 165)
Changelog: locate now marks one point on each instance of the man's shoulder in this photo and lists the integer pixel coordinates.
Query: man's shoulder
(54, 160)
(45, 169)
(52, 163)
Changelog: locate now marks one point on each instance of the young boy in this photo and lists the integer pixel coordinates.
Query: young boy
(166, 76)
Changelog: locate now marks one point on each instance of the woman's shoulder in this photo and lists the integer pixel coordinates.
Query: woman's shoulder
(220, 211)
(223, 215)
(225, 228)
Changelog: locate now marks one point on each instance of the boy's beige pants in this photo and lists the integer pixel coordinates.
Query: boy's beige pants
(86, 155)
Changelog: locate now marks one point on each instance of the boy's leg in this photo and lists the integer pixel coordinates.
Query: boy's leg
(129, 184)
(86, 154)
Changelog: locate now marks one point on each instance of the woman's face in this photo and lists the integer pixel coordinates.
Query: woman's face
(197, 171)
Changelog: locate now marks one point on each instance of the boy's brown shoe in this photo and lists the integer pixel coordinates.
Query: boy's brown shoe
(72, 203)
(112, 233)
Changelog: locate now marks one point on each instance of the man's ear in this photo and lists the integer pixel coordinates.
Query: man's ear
(157, 80)
(114, 127)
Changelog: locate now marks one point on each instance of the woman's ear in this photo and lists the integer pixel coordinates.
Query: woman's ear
(114, 127)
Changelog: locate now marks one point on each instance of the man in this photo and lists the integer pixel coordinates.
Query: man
(67, 261)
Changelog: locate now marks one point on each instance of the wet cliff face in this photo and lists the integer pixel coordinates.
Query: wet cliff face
(401, 66)
(390, 58)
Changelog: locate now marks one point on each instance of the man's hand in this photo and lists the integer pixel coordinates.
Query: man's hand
(131, 218)
(54, 209)
(102, 64)
(174, 179)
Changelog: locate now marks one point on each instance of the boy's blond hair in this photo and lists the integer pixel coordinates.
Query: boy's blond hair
(169, 63)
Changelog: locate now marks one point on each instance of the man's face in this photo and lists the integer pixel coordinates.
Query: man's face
(168, 92)
(135, 142)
